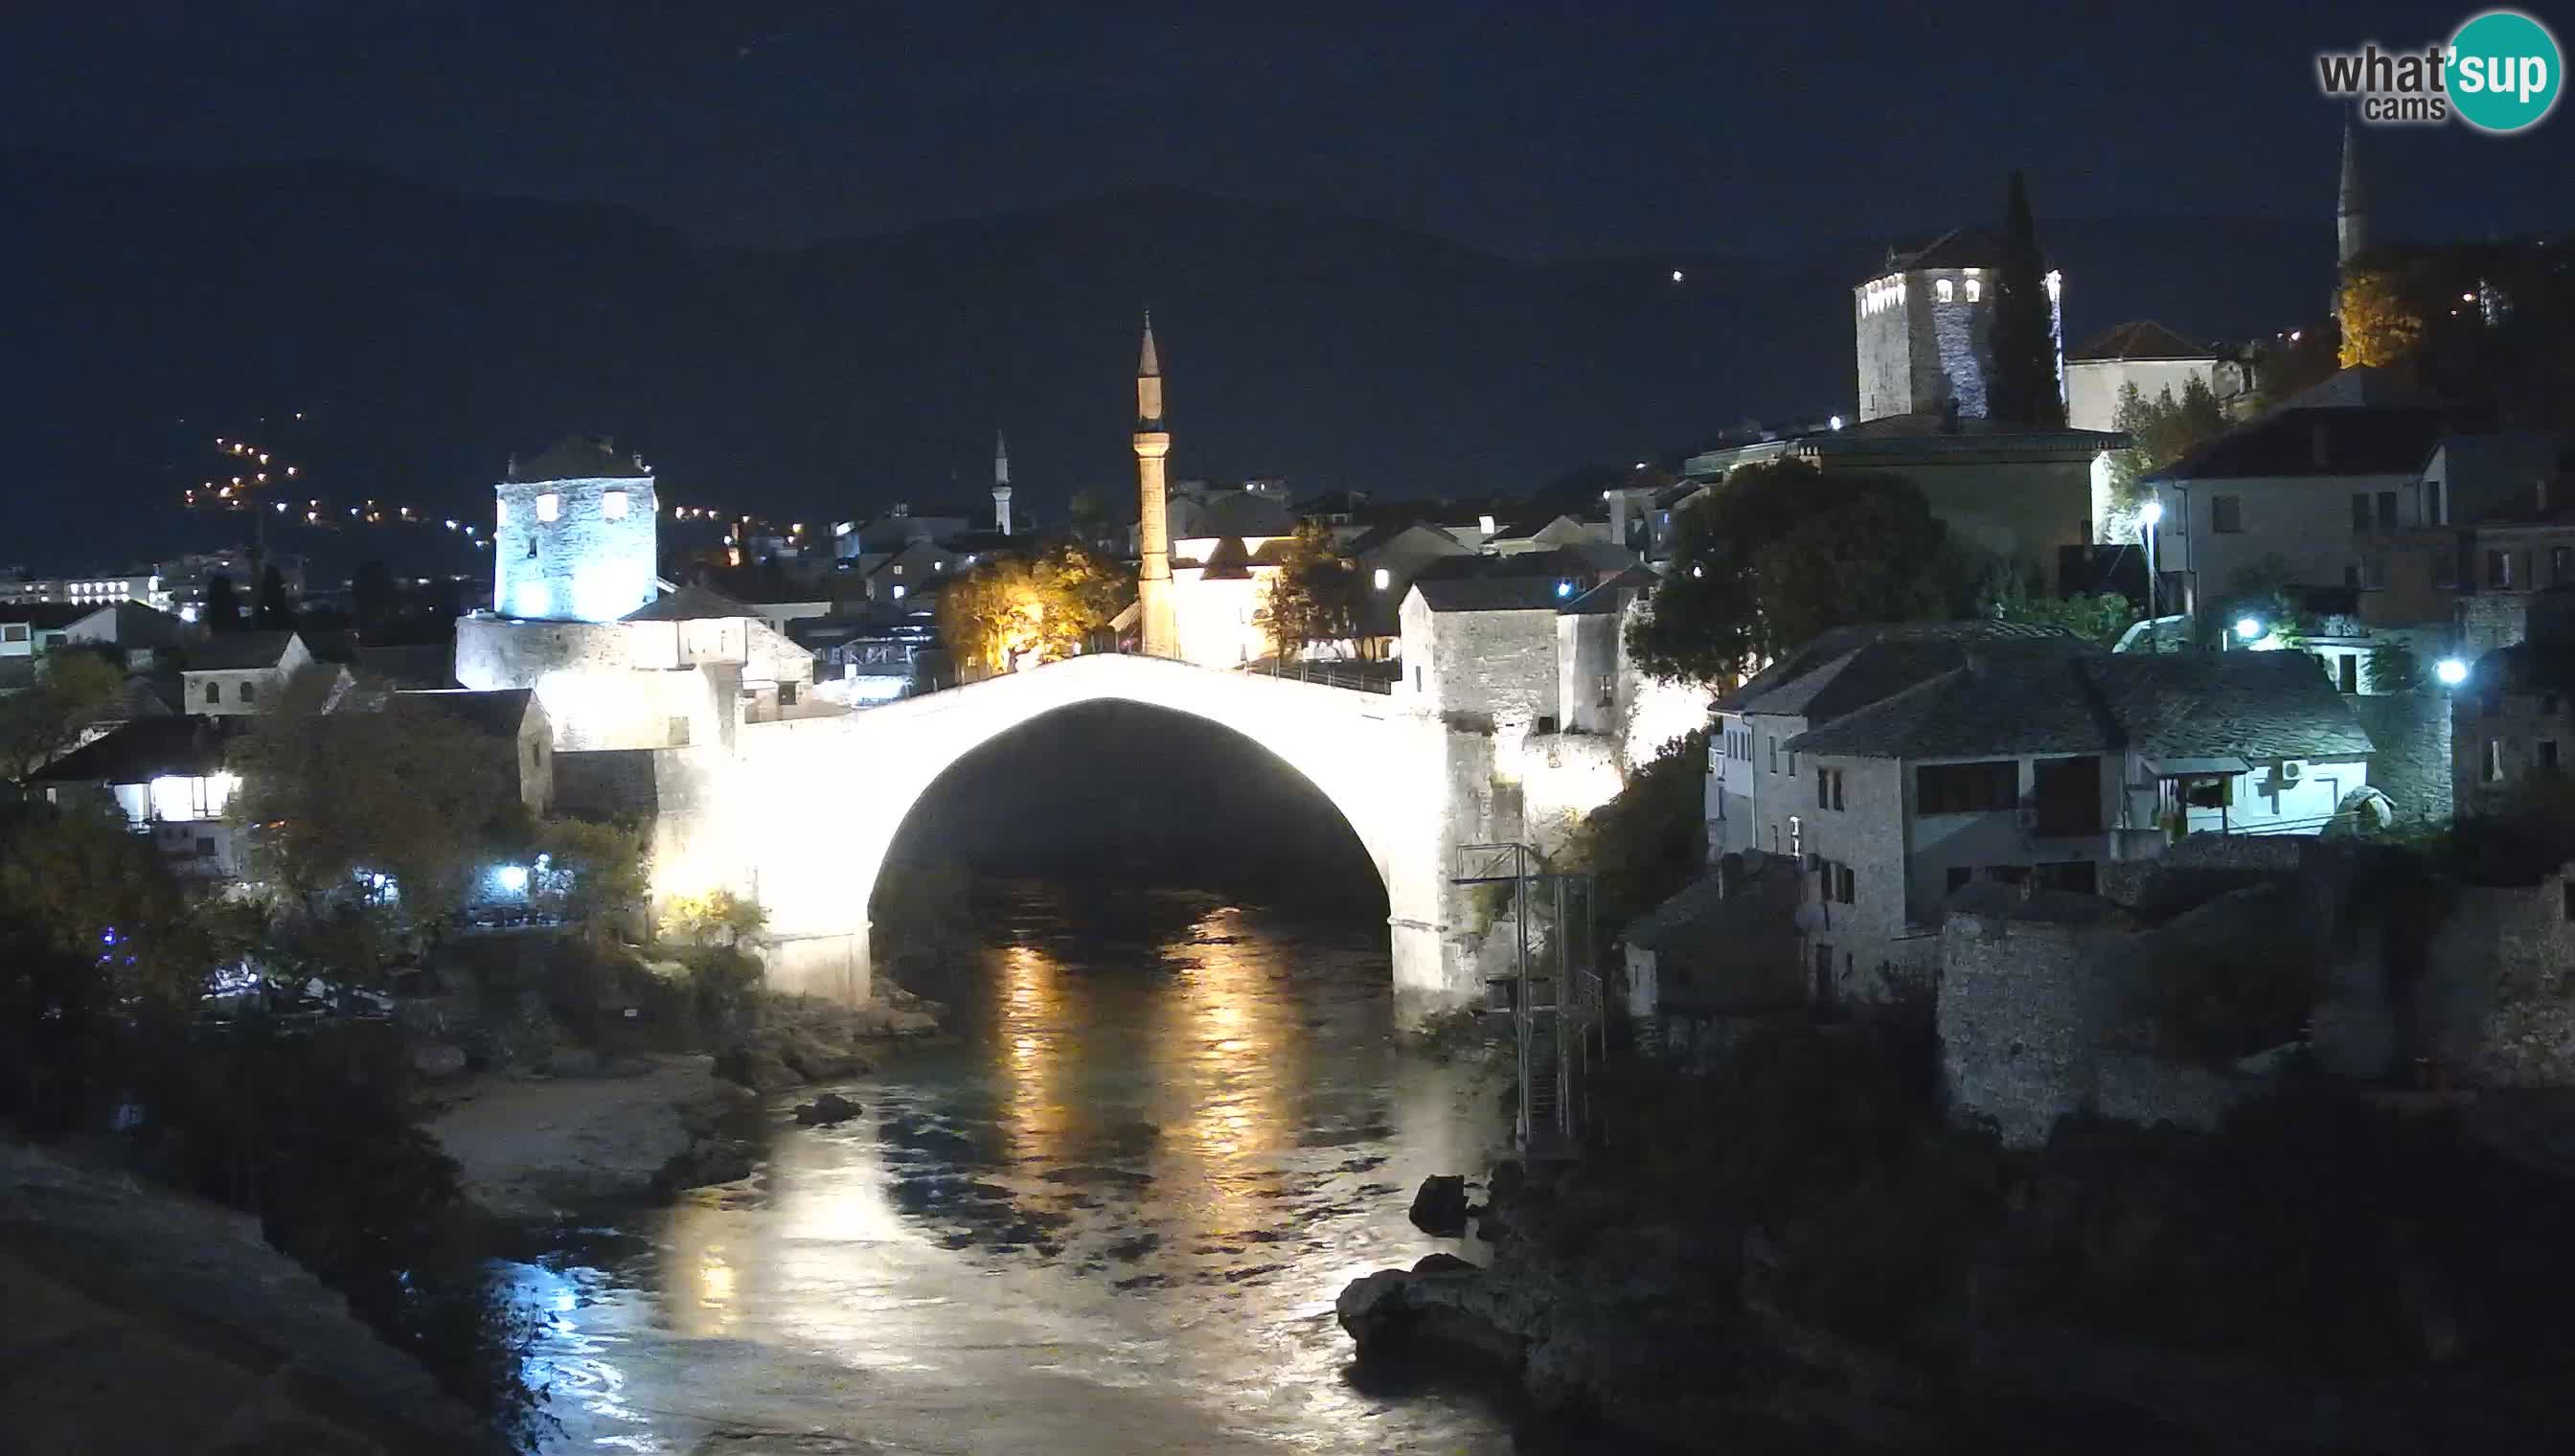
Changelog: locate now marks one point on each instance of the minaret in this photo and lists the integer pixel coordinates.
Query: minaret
(1000, 483)
(1159, 624)
(2351, 212)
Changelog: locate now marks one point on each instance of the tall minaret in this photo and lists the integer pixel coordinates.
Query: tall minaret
(1159, 624)
(2351, 211)
(1000, 483)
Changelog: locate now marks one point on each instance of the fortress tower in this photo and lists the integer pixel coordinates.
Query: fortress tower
(577, 535)
(1159, 624)
(1925, 328)
(1000, 483)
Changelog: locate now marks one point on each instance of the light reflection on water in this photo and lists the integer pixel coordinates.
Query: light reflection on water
(1110, 1214)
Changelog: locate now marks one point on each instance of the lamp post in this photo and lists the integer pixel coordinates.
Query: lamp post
(2152, 516)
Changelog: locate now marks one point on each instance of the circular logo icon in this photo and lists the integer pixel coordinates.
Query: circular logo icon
(2505, 71)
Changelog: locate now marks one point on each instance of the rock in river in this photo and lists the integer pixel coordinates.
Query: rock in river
(1439, 1210)
(827, 1110)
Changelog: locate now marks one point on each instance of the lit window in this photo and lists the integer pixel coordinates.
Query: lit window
(897, 594)
(1975, 289)
(549, 506)
(612, 505)
(1946, 291)
(1384, 577)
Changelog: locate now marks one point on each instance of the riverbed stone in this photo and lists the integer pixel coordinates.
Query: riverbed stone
(817, 1059)
(1440, 1207)
(827, 1110)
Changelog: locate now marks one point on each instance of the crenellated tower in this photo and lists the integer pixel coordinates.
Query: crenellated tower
(1159, 623)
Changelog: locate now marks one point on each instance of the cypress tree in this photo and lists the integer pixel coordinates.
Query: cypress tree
(223, 605)
(273, 608)
(2024, 339)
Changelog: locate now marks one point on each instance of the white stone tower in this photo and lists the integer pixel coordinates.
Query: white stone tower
(577, 535)
(1000, 483)
(1159, 623)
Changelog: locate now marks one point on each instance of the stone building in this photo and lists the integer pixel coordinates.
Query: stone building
(1924, 325)
(2512, 722)
(577, 535)
(2156, 360)
(240, 672)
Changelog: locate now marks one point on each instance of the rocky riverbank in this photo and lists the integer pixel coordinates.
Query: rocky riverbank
(138, 1319)
(2297, 1288)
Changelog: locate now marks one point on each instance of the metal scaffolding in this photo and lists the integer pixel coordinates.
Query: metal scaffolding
(1552, 994)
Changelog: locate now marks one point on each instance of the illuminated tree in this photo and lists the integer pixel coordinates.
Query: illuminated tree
(1314, 596)
(2160, 430)
(1019, 610)
(2379, 327)
(699, 918)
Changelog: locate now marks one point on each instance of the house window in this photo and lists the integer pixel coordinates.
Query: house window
(678, 732)
(2226, 514)
(2373, 570)
(214, 693)
(1975, 289)
(1946, 289)
(2359, 511)
(2066, 794)
(2387, 509)
(786, 695)
(1845, 883)
(2499, 568)
(2432, 503)
(1829, 788)
(1416, 680)
(2215, 790)
(2547, 757)
(249, 692)
(549, 507)
(2491, 769)
(1774, 752)
(612, 505)
(1950, 788)
(1608, 695)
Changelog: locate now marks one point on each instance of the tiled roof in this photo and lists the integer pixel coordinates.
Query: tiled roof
(410, 664)
(2320, 441)
(45, 616)
(1614, 593)
(145, 749)
(583, 458)
(2248, 704)
(689, 603)
(1957, 248)
(233, 651)
(2139, 339)
(1920, 649)
(500, 712)
(1489, 593)
(1226, 561)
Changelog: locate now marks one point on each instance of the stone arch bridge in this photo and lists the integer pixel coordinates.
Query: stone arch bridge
(802, 813)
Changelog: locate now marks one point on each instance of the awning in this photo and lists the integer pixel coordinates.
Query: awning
(2195, 767)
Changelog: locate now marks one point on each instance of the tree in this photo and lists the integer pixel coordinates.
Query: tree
(2160, 430)
(372, 598)
(1750, 581)
(51, 718)
(1014, 611)
(406, 789)
(1314, 596)
(90, 888)
(699, 918)
(273, 611)
(223, 605)
(2025, 385)
(594, 873)
(2097, 618)
(2379, 326)
(2394, 667)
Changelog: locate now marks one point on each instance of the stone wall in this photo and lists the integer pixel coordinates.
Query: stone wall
(584, 564)
(2487, 621)
(2412, 763)
(2021, 1009)
(2496, 1006)
(2151, 1091)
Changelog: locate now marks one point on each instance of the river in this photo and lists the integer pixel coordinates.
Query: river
(1109, 1213)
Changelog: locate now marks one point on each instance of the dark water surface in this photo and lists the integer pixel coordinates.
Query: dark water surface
(1110, 1214)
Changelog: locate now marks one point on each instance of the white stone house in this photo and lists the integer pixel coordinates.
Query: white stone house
(1484, 647)
(241, 671)
(2030, 764)
(166, 776)
(2155, 359)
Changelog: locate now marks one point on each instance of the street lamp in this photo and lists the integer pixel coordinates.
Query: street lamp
(2248, 629)
(2451, 670)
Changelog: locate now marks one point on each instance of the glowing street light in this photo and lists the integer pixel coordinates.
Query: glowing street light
(2152, 512)
(2248, 628)
(2451, 672)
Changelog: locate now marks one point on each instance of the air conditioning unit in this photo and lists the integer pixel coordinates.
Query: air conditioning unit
(2291, 770)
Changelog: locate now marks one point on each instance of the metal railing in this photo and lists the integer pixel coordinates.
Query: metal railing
(1555, 996)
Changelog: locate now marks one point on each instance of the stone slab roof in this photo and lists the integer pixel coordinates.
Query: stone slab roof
(2374, 441)
(1489, 593)
(689, 603)
(1916, 651)
(143, 749)
(2139, 339)
(583, 458)
(2254, 705)
(498, 712)
(233, 651)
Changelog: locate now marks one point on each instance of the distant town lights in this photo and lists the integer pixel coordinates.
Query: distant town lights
(1676, 275)
(2451, 672)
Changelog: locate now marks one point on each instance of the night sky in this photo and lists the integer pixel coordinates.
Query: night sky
(1529, 129)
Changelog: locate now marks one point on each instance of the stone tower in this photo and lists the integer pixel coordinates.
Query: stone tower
(577, 535)
(2351, 210)
(1000, 483)
(1923, 328)
(1158, 623)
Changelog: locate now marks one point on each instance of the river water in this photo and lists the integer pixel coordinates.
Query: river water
(1110, 1213)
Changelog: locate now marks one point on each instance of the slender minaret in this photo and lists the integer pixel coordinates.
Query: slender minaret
(2351, 212)
(1000, 483)
(1160, 625)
